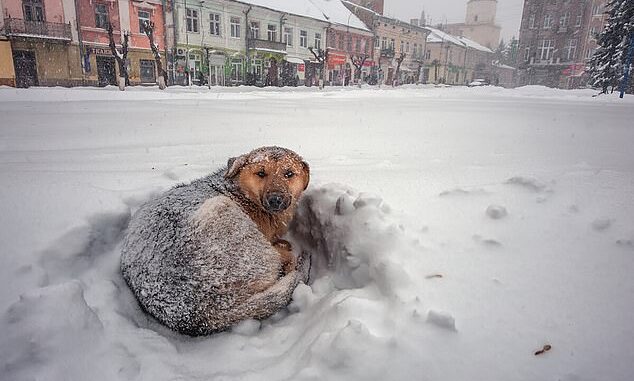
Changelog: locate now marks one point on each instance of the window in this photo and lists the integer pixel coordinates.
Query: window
(288, 36)
(384, 43)
(271, 32)
(415, 50)
(318, 41)
(563, 20)
(235, 27)
(589, 53)
(392, 43)
(101, 16)
(349, 43)
(571, 49)
(255, 29)
(148, 73)
(357, 45)
(214, 24)
(33, 10)
(236, 70)
(303, 38)
(402, 46)
(592, 34)
(192, 20)
(144, 17)
(366, 46)
(428, 54)
(578, 23)
(596, 10)
(527, 54)
(548, 21)
(340, 42)
(546, 50)
(531, 22)
(377, 43)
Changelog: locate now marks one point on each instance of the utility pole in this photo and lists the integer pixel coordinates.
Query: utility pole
(628, 64)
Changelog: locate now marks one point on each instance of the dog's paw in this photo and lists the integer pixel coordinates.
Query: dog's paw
(282, 244)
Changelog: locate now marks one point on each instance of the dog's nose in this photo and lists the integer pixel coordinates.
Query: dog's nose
(276, 202)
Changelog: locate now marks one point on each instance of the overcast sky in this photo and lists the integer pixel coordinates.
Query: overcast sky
(508, 16)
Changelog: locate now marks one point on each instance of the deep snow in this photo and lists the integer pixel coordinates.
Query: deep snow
(476, 226)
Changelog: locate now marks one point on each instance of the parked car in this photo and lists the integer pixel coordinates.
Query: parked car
(478, 82)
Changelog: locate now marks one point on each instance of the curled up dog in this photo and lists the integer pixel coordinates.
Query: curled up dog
(207, 255)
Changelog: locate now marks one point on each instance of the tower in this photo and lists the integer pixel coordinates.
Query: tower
(481, 12)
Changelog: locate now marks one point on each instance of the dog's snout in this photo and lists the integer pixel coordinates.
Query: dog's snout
(276, 202)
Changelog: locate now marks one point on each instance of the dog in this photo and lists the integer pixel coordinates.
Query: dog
(204, 256)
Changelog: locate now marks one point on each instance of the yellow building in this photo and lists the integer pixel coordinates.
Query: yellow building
(7, 72)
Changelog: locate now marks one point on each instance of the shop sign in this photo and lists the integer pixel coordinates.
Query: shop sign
(368, 63)
(99, 51)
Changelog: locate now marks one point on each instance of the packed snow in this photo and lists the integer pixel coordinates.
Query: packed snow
(456, 233)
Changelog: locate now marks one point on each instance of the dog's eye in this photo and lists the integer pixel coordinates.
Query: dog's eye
(261, 174)
(289, 174)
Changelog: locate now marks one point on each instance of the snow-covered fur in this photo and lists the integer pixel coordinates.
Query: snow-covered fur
(199, 264)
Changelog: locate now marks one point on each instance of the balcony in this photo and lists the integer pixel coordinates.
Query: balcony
(40, 29)
(267, 46)
(387, 53)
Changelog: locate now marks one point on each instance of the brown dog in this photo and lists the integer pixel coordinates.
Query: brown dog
(209, 254)
(271, 180)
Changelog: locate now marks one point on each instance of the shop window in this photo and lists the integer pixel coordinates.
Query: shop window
(148, 71)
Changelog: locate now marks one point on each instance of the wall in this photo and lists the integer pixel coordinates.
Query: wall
(7, 73)
(485, 11)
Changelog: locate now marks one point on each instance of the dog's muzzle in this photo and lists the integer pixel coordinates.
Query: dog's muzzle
(276, 202)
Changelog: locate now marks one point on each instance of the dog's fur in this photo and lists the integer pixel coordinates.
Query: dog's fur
(204, 256)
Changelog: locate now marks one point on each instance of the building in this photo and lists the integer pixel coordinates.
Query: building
(255, 42)
(393, 40)
(596, 20)
(100, 68)
(479, 25)
(555, 41)
(374, 5)
(36, 46)
(455, 60)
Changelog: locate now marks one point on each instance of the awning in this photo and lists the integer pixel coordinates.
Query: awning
(270, 50)
(294, 60)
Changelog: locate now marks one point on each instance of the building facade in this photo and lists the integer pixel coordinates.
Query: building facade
(555, 41)
(394, 40)
(100, 68)
(480, 25)
(225, 42)
(455, 60)
(38, 39)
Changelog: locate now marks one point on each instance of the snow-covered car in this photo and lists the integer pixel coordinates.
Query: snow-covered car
(478, 82)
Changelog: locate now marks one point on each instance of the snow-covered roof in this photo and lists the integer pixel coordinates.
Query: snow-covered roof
(474, 45)
(436, 35)
(332, 11)
(337, 13)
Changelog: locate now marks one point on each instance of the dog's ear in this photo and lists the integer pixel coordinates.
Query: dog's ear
(234, 165)
(307, 170)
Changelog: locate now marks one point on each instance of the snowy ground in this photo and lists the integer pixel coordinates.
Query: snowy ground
(502, 221)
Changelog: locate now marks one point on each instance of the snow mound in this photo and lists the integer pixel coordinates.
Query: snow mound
(496, 212)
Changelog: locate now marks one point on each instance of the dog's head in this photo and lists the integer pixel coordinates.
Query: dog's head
(271, 177)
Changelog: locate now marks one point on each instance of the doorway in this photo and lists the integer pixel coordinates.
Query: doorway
(106, 71)
(25, 68)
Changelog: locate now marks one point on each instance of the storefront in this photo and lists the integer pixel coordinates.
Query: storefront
(338, 68)
(101, 68)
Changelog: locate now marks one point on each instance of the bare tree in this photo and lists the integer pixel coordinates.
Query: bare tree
(121, 57)
(399, 61)
(322, 57)
(148, 28)
(358, 62)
